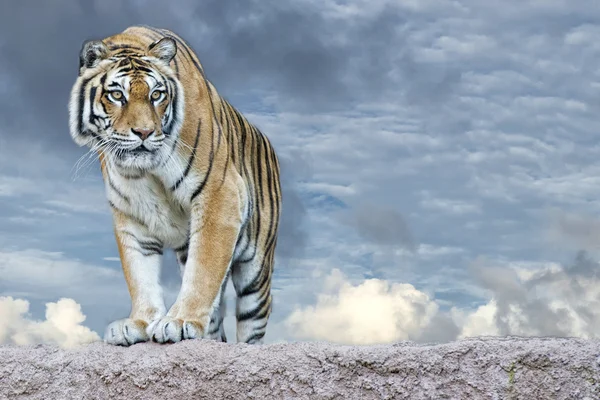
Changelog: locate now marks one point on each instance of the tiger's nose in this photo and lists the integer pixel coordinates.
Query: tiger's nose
(142, 133)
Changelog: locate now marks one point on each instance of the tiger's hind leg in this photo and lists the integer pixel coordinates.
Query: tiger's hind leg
(252, 283)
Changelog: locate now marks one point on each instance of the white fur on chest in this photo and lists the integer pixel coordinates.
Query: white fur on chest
(149, 201)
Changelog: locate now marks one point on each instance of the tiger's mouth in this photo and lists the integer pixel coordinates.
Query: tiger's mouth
(141, 149)
(139, 158)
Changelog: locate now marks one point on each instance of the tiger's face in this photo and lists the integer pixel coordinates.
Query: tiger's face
(127, 105)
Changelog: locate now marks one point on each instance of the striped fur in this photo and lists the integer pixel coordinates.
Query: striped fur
(204, 182)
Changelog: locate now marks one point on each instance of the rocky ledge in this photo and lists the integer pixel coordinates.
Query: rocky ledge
(475, 368)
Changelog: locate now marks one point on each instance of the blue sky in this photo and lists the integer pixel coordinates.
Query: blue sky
(439, 161)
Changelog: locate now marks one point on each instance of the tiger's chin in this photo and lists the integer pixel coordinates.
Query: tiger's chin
(137, 161)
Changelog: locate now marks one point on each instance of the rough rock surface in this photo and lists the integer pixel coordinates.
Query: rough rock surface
(476, 368)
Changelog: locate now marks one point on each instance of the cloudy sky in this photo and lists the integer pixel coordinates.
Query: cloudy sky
(440, 164)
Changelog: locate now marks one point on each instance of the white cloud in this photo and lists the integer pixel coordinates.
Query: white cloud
(527, 299)
(373, 312)
(449, 206)
(61, 327)
(481, 322)
(546, 300)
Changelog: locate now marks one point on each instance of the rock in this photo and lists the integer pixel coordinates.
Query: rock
(474, 368)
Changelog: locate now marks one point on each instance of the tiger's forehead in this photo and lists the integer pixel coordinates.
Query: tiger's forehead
(130, 71)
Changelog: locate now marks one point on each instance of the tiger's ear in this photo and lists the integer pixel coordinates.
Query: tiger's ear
(92, 52)
(163, 49)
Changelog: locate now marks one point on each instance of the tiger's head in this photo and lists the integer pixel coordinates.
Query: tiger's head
(127, 102)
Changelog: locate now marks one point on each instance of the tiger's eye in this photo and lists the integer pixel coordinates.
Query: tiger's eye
(117, 95)
(156, 95)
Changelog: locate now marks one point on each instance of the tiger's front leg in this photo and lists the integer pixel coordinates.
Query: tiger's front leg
(141, 260)
(216, 220)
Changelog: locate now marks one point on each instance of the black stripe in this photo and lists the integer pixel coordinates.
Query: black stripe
(127, 54)
(217, 328)
(145, 253)
(92, 116)
(229, 147)
(210, 165)
(155, 242)
(113, 47)
(263, 326)
(277, 172)
(191, 159)
(133, 217)
(133, 177)
(254, 338)
(115, 189)
(257, 210)
(271, 232)
(154, 246)
(182, 257)
(256, 285)
(82, 102)
(261, 279)
(230, 131)
(183, 247)
(144, 69)
(243, 144)
(259, 311)
(168, 129)
(248, 240)
(259, 159)
(102, 93)
(151, 247)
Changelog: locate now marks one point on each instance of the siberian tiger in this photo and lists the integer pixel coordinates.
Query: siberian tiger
(183, 170)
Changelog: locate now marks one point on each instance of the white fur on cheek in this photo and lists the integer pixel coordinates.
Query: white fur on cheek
(79, 104)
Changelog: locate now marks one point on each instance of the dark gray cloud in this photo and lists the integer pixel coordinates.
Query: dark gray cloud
(441, 329)
(525, 306)
(573, 230)
(292, 237)
(380, 225)
(301, 62)
(283, 48)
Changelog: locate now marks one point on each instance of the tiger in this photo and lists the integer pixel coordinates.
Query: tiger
(183, 170)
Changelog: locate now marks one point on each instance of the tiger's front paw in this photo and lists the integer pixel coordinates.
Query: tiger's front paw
(171, 330)
(125, 332)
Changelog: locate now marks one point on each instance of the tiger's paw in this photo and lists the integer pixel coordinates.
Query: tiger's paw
(172, 330)
(125, 332)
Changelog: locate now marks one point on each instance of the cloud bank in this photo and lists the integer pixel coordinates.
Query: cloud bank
(62, 326)
(550, 300)
(375, 311)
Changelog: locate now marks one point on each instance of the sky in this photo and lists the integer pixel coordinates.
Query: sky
(439, 164)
